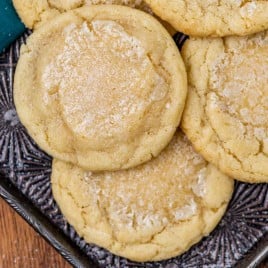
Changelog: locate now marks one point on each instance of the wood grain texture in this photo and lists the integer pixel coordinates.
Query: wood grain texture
(264, 264)
(21, 246)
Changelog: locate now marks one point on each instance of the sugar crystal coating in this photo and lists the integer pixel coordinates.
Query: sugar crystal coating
(154, 194)
(242, 91)
(96, 97)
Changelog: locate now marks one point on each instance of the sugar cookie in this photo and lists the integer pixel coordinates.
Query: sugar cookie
(213, 18)
(152, 212)
(226, 111)
(102, 88)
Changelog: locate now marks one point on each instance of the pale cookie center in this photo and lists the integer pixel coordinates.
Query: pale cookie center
(164, 190)
(239, 80)
(106, 82)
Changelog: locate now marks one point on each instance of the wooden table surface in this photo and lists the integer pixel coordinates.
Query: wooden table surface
(22, 247)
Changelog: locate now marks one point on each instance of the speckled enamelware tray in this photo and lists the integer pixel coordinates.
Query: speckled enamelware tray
(241, 238)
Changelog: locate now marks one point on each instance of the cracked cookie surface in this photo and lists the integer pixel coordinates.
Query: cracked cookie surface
(213, 17)
(226, 111)
(155, 211)
(35, 12)
(102, 88)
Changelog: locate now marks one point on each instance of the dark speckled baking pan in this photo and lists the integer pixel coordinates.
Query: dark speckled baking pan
(240, 240)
